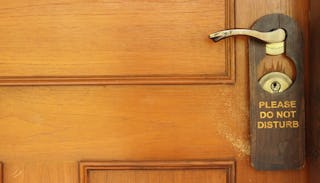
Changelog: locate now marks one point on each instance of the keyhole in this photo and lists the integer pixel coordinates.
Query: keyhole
(275, 86)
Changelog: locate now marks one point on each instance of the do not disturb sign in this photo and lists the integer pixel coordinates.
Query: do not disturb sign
(276, 98)
(277, 116)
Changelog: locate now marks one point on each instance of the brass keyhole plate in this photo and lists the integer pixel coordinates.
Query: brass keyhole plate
(275, 82)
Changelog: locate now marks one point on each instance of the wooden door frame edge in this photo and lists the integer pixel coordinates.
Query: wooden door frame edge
(313, 100)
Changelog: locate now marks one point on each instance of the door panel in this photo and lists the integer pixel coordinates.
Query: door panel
(158, 171)
(47, 130)
(108, 40)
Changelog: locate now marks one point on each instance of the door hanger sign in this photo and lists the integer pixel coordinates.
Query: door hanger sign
(277, 105)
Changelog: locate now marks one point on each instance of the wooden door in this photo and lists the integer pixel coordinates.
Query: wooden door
(123, 91)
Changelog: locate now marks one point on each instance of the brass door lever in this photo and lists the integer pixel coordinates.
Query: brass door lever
(275, 36)
(274, 39)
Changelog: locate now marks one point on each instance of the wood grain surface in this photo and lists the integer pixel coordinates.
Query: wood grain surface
(314, 95)
(47, 130)
(1, 172)
(115, 42)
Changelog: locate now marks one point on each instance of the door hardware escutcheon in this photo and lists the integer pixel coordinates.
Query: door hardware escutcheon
(275, 82)
(277, 106)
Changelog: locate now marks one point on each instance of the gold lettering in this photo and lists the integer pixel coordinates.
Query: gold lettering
(280, 104)
(261, 124)
(288, 124)
(277, 124)
(277, 104)
(279, 114)
(270, 124)
(282, 124)
(261, 104)
(295, 124)
(286, 114)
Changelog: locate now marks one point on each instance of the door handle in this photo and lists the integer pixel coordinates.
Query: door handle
(274, 39)
(277, 109)
(275, 36)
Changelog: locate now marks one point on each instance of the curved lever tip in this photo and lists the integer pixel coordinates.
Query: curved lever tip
(218, 36)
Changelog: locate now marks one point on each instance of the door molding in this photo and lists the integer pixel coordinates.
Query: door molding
(86, 166)
(313, 140)
(1, 172)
